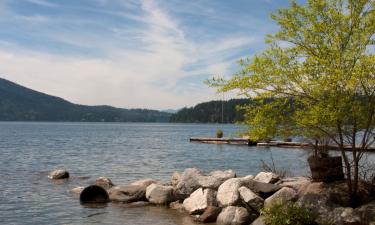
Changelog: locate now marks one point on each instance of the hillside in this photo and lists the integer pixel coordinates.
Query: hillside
(18, 103)
(211, 112)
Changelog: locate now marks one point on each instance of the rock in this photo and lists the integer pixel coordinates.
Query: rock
(187, 183)
(127, 194)
(58, 174)
(227, 193)
(223, 175)
(136, 204)
(176, 176)
(294, 182)
(77, 190)
(199, 200)
(367, 211)
(263, 189)
(144, 183)
(158, 194)
(209, 215)
(251, 200)
(345, 216)
(104, 182)
(177, 205)
(259, 221)
(232, 215)
(267, 177)
(285, 194)
(94, 194)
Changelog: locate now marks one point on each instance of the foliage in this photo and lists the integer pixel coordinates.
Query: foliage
(271, 167)
(288, 214)
(211, 112)
(219, 133)
(321, 78)
(18, 103)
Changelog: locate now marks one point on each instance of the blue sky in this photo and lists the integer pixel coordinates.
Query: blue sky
(130, 53)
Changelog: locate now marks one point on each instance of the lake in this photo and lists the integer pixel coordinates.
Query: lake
(123, 152)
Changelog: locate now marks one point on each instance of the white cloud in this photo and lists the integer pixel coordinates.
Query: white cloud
(142, 66)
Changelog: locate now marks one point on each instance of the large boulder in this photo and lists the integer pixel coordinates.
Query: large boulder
(187, 183)
(232, 215)
(259, 221)
(262, 189)
(250, 199)
(199, 200)
(227, 193)
(284, 195)
(127, 194)
(159, 194)
(104, 182)
(223, 175)
(58, 174)
(267, 177)
(367, 212)
(209, 215)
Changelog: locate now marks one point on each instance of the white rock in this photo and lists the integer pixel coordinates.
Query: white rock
(232, 215)
(199, 200)
(251, 199)
(58, 174)
(267, 177)
(144, 182)
(285, 194)
(158, 194)
(227, 193)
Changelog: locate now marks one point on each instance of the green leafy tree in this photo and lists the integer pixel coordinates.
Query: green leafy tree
(319, 71)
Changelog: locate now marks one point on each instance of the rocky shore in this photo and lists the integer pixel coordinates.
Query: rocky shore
(224, 198)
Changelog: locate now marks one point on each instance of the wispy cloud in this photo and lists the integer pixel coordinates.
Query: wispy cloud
(150, 60)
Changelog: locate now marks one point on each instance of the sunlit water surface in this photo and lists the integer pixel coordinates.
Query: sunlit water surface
(121, 151)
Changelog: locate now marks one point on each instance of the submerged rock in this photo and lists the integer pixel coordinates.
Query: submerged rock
(159, 194)
(209, 215)
(127, 194)
(199, 200)
(77, 190)
(232, 215)
(94, 194)
(58, 174)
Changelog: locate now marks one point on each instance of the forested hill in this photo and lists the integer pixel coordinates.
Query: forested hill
(18, 103)
(211, 112)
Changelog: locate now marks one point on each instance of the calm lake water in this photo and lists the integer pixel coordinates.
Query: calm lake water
(121, 151)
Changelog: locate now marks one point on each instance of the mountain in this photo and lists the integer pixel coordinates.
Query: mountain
(211, 112)
(18, 103)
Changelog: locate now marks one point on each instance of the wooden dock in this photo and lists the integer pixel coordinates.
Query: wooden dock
(280, 144)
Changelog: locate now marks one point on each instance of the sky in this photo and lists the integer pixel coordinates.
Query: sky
(152, 54)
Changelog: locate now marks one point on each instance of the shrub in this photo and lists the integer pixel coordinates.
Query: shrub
(219, 133)
(288, 214)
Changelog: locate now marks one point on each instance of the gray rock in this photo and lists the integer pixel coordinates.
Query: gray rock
(262, 189)
(127, 194)
(367, 211)
(251, 199)
(104, 182)
(199, 200)
(267, 177)
(294, 182)
(187, 183)
(232, 215)
(223, 175)
(159, 194)
(345, 216)
(285, 194)
(176, 176)
(209, 215)
(259, 221)
(58, 174)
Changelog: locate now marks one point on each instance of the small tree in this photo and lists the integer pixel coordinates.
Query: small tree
(321, 83)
